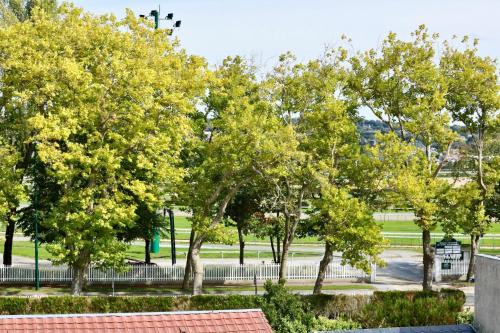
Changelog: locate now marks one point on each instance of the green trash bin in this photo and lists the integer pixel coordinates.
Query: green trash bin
(155, 242)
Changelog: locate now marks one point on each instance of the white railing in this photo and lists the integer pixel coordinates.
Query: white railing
(167, 274)
(454, 268)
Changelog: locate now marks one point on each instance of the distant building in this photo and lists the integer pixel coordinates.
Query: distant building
(231, 321)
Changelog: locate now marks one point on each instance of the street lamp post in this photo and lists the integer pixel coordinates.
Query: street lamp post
(35, 208)
(155, 14)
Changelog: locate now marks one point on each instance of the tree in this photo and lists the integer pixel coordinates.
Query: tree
(109, 103)
(473, 101)
(463, 210)
(12, 193)
(346, 225)
(309, 97)
(13, 128)
(241, 210)
(245, 141)
(270, 226)
(12, 11)
(403, 87)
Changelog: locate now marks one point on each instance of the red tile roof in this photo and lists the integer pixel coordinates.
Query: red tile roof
(245, 321)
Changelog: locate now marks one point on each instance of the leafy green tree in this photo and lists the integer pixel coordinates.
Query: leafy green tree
(245, 141)
(13, 130)
(241, 211)
(346, 225)
(462, 210)
(109, 102)
(309, 98)
(12, 193)
(12, 11)
(402, 86)
(474, 101)
(285, 311)
(272, 227)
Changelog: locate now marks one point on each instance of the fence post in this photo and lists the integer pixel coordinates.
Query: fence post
(373, 275)
(437, 269)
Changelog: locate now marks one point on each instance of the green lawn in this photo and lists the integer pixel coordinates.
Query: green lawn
(26, 249)
(409, 226)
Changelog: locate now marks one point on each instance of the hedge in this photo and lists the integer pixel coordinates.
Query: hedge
(396, 308)
(383, 309)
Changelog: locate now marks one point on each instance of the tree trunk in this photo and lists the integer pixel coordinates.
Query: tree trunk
(284, 262)
(323, 265)
(188, 269)
(474, 245)
(278, 250)
(197, 266)
(79, 278)
(428, 260)
(272, 248)
(147, 251)
(9, 238)
(241, 239)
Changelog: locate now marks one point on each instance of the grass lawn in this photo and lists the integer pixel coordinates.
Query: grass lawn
(26, 249)
(106, 290)
(409, 226)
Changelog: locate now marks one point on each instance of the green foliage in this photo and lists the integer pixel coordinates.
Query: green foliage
(285, 311)
(322, 324)
(395, 309)
(347, 224)
(215, 302)
(107, 106)
(335, 306)
(12, 191)
(465, 317)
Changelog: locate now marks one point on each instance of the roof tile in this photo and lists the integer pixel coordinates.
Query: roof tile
(244, 321)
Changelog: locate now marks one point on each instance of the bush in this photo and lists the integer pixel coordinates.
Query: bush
(218, 302)
(325, 324)
(285, 311)
(394, 309)
(334, 306)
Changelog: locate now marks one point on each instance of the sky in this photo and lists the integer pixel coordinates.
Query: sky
(264, 29)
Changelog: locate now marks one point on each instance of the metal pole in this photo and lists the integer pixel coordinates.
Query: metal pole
(172, 236)
(35, 204)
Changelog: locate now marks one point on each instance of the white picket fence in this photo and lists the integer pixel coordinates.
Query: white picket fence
(169, 274)
(457, 268)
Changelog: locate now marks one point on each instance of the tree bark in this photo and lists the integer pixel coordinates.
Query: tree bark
(272, 248)
(474, 245)
(428, 260)
(323, 265)
(9, 238)
(188, 269)
(284, 263)
(197, 266)
(147, 251)
(241, 239)
(79, 278)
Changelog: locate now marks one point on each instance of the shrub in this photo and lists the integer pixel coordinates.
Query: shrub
(218, 302)
(334, 306)
(285, 311)
(389, 309)
(325, 324)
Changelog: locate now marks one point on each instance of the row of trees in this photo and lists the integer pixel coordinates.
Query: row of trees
(104, 121)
